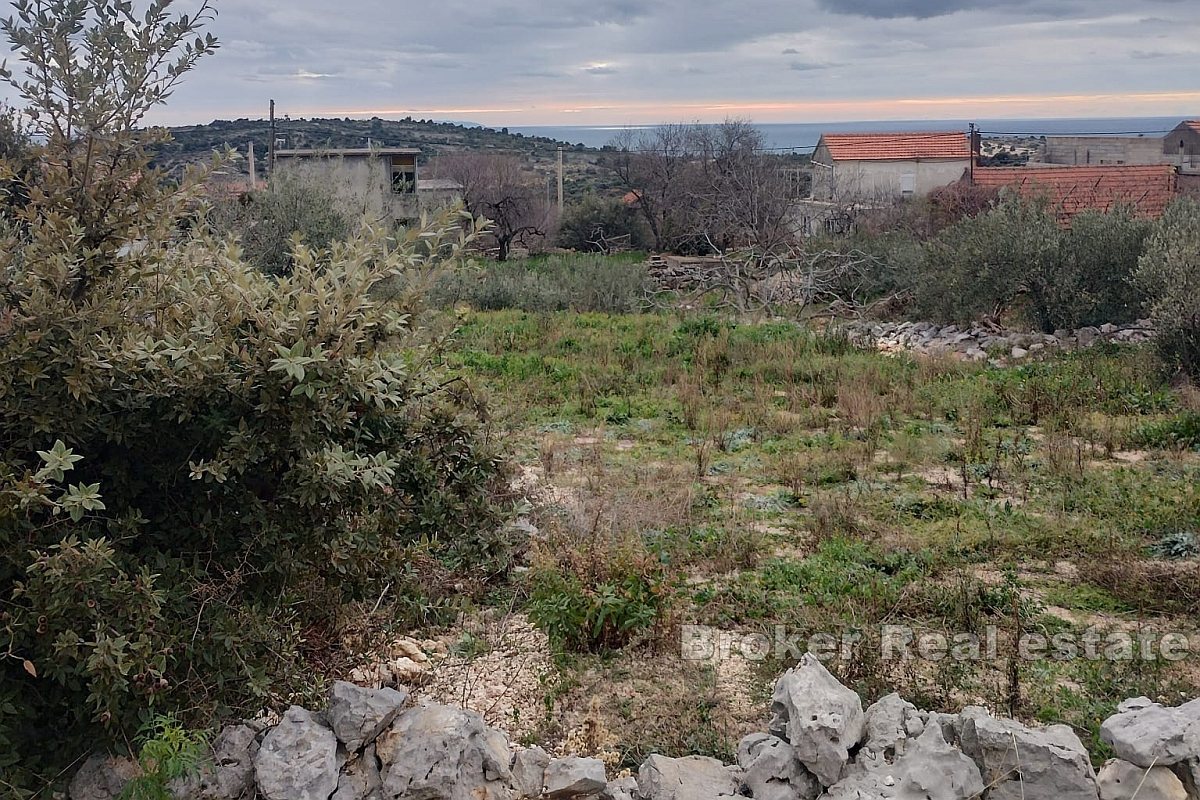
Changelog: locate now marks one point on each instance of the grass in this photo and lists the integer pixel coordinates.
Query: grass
(765, 475)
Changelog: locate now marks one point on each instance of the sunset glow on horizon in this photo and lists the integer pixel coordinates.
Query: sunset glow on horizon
(1181, 104)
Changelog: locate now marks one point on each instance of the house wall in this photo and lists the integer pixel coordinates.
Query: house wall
(1181, 147)
(865, 181)
(362, 184)
(1101, 150)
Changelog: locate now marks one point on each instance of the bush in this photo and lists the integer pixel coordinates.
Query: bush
(199, 463)
(1169, 274)
(602, 225)
(1017, 256)
(267, 222)
(599, 597)
(555, 283)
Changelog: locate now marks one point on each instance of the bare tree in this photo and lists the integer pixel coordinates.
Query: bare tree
(501, 189)
(745, 195)
(655, 168)
(705, 188)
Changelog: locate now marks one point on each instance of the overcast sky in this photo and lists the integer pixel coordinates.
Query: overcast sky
(588, 62)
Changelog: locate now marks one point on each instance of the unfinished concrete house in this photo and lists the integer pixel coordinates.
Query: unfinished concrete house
(1103, 150)
(381, 183)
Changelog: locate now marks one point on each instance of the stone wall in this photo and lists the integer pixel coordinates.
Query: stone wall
(987, 343)
(373, 744)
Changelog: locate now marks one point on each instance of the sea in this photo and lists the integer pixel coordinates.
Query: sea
(803, 137)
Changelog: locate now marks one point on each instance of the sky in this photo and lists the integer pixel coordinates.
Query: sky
(631, 62)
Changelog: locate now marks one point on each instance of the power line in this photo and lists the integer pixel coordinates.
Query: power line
(1076, 133)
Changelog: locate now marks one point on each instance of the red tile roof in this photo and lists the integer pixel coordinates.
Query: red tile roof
(896, 146)
(1148, 188)
(1192, 125)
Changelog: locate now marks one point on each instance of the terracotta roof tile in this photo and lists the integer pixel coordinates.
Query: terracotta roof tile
(1148, 188)
(1192, 125)
(896, 146)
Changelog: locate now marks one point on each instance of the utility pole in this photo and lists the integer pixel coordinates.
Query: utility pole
(271, 144)
(253, 171)
(560, 180)
(973, 150)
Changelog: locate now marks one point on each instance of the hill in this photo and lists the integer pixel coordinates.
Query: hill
(195, 143)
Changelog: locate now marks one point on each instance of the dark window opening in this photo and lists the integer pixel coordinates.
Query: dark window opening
(404, 174)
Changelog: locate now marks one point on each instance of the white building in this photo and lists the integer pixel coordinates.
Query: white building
(864, 167)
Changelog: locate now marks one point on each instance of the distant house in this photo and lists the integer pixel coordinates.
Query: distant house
(867, 167)
(1103, 150)
(1181, 147)
(380, 182)
(1146, 188)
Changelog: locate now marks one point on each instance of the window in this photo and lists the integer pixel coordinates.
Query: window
(404, 174)
(908, 184)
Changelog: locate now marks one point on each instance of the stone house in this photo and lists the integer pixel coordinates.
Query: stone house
(381, 183)
(1181, 147)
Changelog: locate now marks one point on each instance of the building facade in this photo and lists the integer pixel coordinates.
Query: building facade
(380, 183)
(867, 167)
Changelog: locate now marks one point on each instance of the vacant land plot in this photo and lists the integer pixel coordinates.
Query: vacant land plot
(765, 479)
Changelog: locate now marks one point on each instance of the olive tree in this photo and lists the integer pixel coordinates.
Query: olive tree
(202, 466)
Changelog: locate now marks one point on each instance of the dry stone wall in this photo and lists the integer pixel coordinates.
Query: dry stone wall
(820, 744)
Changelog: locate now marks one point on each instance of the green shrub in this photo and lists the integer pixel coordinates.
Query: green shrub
(602, 225)
(556, 283)
(267, 222)
(598, 597)
(169, 753)
(1169, 274)
(1182, 431)
(199, 463)
(1016, 256)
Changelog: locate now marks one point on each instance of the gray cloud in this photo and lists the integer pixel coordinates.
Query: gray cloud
(519, 61)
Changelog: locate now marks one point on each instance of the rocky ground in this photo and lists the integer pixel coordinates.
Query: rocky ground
(378, 744)
(988, 343)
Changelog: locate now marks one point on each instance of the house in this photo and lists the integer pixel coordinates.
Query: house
(1102, 150)
(1147, 188)
(379, 182)
(855, 172)
(873, 167)
(1181, 147)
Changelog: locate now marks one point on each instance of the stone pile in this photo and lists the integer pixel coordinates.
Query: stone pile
(983, 343)
(821, 744)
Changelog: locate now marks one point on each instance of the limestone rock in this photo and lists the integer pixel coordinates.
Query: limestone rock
(360, 779)
(1019, 762)
(818, 716)
(529, 771)
(771, 770)
(1149, 734)
(436, 752)
(1120, 780)
(890, 723)
(928, 769)
(1188, 773)
(230, 775)
(620, 789)
(691, 778)
(102, 778)
(575, 777)
(297, 759)
(357, 715)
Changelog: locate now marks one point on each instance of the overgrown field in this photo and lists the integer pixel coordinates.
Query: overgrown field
(750, 477)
